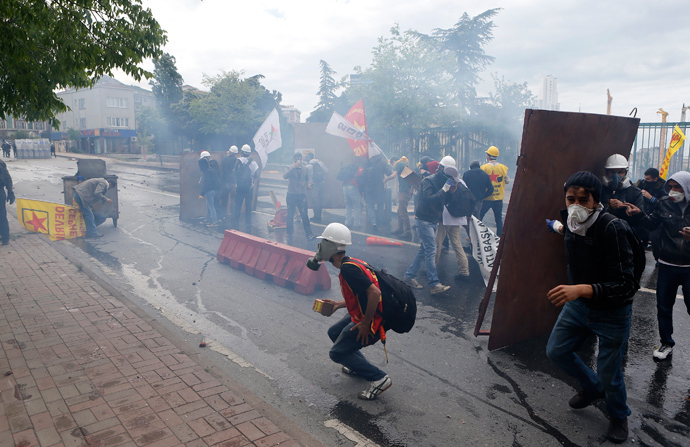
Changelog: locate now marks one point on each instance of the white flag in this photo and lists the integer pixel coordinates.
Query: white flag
(484, 248)
(267, 138)
(340, 127)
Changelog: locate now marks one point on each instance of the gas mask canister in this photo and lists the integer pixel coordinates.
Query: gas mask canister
(325, 252)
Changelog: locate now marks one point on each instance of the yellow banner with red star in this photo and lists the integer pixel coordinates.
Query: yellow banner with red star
(56, 221)
(676, 142)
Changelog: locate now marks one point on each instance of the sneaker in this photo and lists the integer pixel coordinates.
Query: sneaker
(397, 232)
(375, 388)
(93, 236)
(663, 352)
(585, 398)
(439, 288)
(412, 282)
(618, 430)
(348, 371)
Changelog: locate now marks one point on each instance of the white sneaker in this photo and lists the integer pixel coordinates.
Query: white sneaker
(375, 388)
(662, 352)
(412, 282)
(438, 288)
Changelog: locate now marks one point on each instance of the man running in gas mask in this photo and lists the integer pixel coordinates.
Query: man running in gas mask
(618, 192)
(363, 325)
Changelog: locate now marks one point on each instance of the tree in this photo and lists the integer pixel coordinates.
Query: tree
(151, 128)
(166, 83)
(511, 99)
(327, 97)
(49, 45)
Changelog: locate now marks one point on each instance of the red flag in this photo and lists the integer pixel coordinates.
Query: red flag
(357, 117)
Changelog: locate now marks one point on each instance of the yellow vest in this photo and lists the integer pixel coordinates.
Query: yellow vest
(498, 174)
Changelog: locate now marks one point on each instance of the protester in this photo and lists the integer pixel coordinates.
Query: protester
(52, 150)
(652, 188)
(404, 196)
(479, 184)
(317, 174)
(618, 192)
(14, 148)
(449, 227)
(375, 170)
(245, 173)
(5, 184)
(429, 213)
(6, 148)
(596, 301)
(499, 178)
(672, 216)
(298, 179)
(350, 176)
(91, 194)
(210, 186)
(363, 325)
(229, 182)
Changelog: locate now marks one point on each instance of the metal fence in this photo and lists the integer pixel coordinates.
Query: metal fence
(650, 146)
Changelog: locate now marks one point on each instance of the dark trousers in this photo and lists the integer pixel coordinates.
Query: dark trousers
(4, 224)
(298, 201)
(403, 216)
(243, 196)
(668, 280)
(375, 199)
(227, 200)
(497, 207)
(316, 195)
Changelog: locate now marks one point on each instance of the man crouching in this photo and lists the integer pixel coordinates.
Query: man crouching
(597, 300)
(363, 325)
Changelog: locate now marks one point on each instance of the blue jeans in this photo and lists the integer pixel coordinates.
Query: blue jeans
(427, 252)
(668, 280)
(297, 201)
(91, 219)
(346, 350)
(353, 205)
(575, 323)
(211, 215)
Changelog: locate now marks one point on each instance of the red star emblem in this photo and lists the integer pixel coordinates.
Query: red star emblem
(494, 177)
(37, 222)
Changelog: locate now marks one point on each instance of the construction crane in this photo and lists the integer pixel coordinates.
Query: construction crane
(609, 100)
(662, 139)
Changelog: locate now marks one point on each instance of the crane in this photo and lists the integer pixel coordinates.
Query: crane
(662, 139)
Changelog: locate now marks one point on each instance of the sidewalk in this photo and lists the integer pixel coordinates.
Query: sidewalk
(81, 366)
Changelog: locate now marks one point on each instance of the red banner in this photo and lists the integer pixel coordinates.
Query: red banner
(358, 118)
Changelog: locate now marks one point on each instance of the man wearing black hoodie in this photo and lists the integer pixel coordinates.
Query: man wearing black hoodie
(479, 183)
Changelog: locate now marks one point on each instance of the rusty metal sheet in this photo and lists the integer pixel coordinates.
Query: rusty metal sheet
(554, 146)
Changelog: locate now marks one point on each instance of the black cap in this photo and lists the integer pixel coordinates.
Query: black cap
(585, 180)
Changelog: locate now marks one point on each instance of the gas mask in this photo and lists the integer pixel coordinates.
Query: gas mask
(614, 181)
(325, 252)
(578, 213)
(676, 196)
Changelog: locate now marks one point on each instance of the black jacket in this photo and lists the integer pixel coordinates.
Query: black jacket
(668, 214)
(5, 178)
(210, 178)
(479, 183)
(607, 265)
(631, 194)
(432, 198)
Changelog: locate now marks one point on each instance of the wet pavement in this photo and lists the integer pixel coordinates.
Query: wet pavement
(447, 388)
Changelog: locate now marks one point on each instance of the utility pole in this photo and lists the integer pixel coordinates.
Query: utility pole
(662, 142)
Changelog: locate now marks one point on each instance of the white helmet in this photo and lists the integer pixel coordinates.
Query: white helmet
(246, 149)
(616, 161)
(233, 149)
(447, 161)
(337, 233)
(204, 154)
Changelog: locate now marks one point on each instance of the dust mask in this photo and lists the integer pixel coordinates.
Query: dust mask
(676, 196)
(578, 213)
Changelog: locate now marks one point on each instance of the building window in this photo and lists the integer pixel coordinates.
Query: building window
(82, 104)
(2, 124)
(31, 126)
(137, 99)
(82, 123)
(116, 102)
(118, 122)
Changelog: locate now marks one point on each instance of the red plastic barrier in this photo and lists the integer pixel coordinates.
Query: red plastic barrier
(286, 266)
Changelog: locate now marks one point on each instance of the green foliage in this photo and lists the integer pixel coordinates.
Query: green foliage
(166, 83)
(151, 128)
(22, 135)
(233, 109)
(49, 45)
(327, 95)
(510, 101)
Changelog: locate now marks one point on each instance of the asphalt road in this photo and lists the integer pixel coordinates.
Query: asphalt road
(448, 389)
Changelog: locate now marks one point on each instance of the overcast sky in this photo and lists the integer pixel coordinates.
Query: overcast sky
(636, 48)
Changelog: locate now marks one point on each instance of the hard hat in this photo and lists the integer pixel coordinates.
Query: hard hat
(403, 158)
(493, 151)
(337, 233)
(204, 154)
(233, 149)
(616, 161)
(246, 148)
(447, 161)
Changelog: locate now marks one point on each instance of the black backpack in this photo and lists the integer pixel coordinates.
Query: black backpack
(243, 175)
(639, 256)
(462, 203)
(318, 175)
(399, 303)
